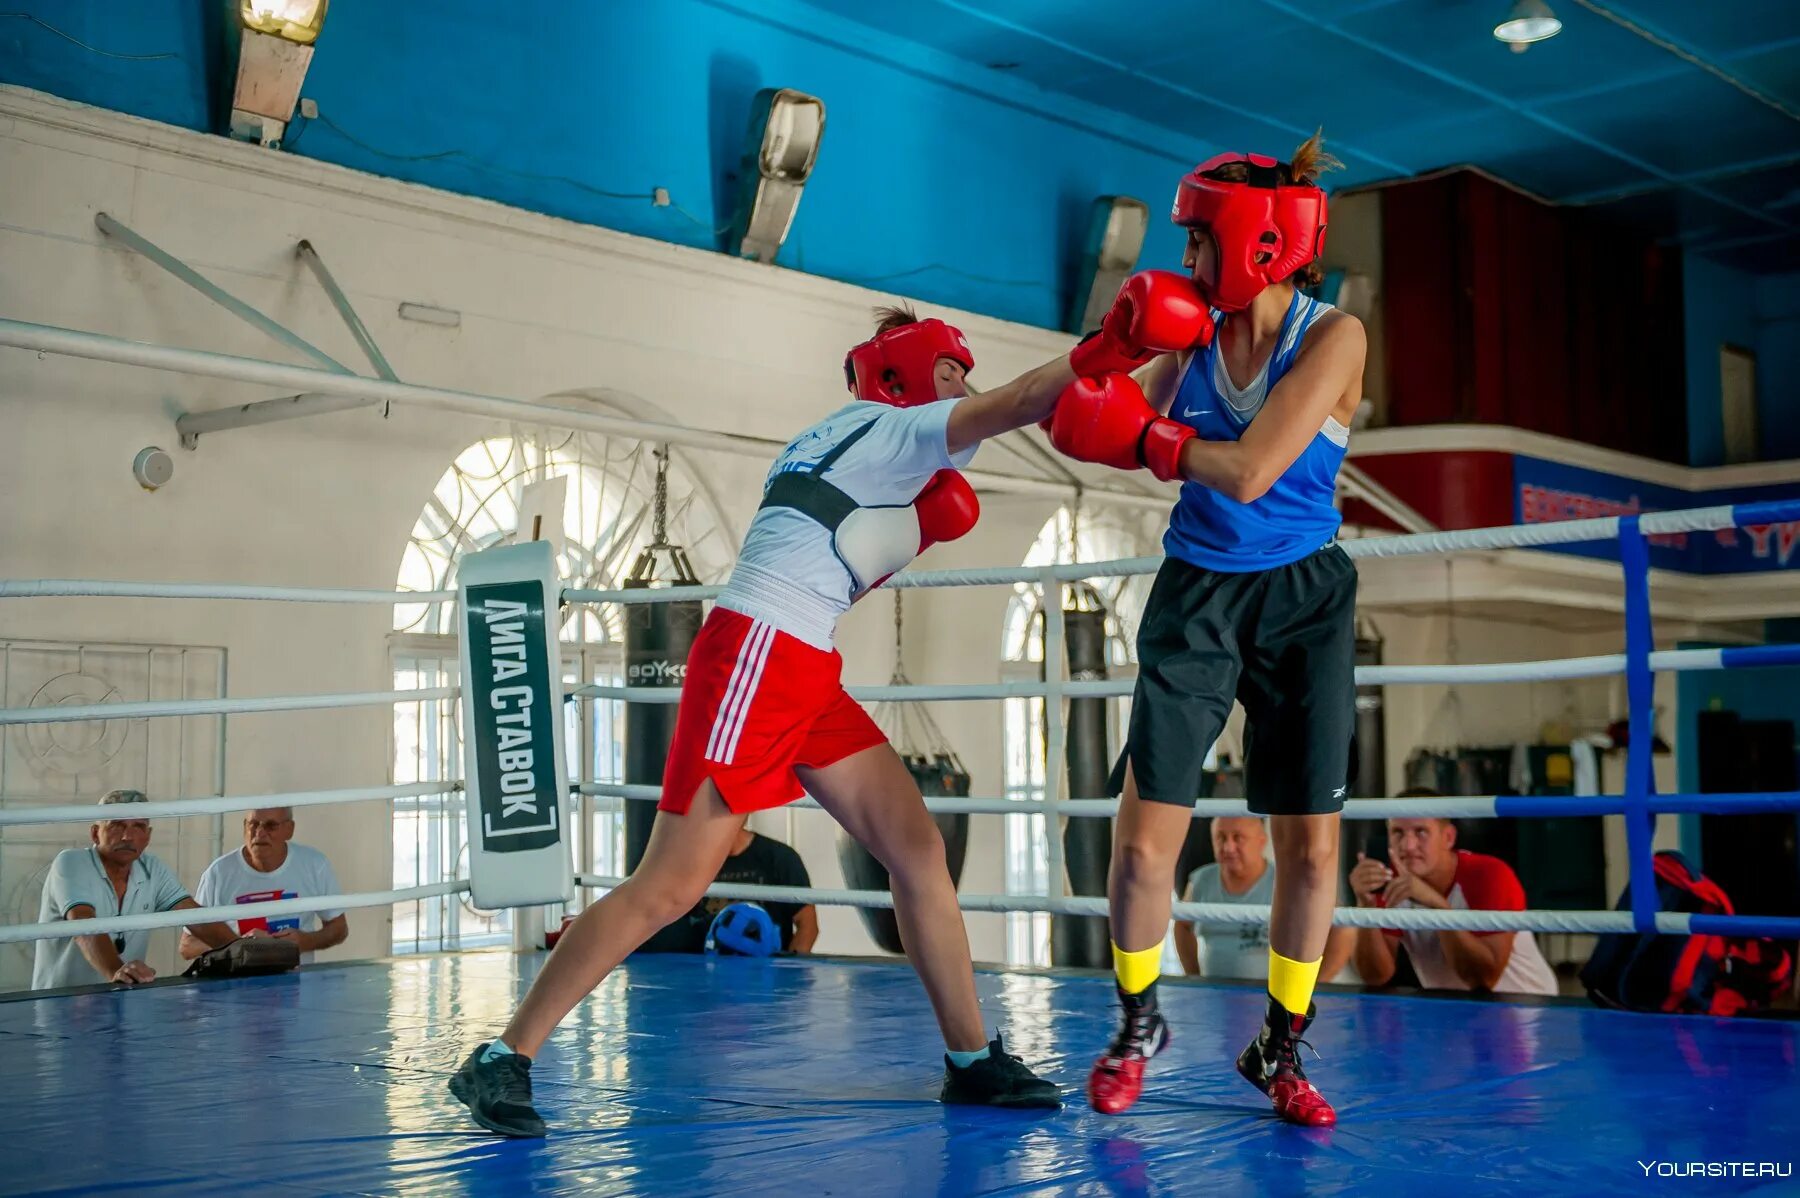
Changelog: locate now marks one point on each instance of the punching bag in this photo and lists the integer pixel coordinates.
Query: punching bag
(939, 775)
(1368, 763)
(657, 639)
(1084, 941)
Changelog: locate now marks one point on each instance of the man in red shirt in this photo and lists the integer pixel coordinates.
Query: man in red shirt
(1428, 870)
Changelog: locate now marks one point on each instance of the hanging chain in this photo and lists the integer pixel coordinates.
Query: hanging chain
(660, 516)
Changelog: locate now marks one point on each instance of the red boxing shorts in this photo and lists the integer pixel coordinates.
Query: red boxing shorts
(757, 704)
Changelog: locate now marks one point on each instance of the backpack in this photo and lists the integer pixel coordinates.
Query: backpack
(1696, 975)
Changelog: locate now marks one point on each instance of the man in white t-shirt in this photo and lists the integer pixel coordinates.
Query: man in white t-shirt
(115, 875)
(270, 867)
(1428, 870)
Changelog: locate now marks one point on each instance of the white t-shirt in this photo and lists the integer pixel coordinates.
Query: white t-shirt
(789, 572)
(78, 878)
(305, 874)
(1482, 883)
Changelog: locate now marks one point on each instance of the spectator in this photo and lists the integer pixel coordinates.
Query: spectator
(115, 875)
(1428, 870)
(759, 861)
(1241, 873)
(271, 867)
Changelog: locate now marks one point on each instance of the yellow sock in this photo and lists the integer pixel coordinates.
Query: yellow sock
(1291, 982)
(1137, 971)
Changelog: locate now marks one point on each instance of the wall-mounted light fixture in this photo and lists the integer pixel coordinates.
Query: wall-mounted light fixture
(1115, 238)
(786, 127)
(275, 48)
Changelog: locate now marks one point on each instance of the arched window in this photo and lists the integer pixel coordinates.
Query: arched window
(1096, 536)
(608, 516)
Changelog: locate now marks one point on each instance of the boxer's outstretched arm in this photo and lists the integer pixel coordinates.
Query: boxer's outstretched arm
(1156, 312)
(1026, 400)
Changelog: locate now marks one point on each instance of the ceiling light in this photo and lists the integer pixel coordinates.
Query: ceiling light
(1530, 21)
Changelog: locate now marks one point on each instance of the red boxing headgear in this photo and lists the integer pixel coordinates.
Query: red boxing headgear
(1262, 215)
(896, 367)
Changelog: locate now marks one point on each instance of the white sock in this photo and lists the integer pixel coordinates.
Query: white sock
(497, 1049)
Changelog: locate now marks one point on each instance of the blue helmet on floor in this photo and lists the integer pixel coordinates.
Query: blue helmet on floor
(743, 930)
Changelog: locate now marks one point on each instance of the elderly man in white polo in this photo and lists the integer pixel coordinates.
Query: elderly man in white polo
(115, 875)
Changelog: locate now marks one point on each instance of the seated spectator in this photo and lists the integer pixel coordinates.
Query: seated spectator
(755, 860)
(1428, 870)
(115, 875)
(1241, 873)
(271, 867)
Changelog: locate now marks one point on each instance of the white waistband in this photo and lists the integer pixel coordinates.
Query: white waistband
(775, 600)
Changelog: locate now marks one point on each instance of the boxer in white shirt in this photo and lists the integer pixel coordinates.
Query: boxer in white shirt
(764, 715)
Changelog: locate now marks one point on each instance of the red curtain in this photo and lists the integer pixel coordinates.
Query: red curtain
(1503, 310)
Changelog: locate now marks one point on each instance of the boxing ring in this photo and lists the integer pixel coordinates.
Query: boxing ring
(701, 1075)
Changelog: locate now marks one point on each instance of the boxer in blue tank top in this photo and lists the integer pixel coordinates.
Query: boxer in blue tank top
(1255, 602)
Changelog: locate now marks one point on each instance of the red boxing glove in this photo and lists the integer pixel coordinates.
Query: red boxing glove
(947, 509)
(1156, 312)
(1108, 420)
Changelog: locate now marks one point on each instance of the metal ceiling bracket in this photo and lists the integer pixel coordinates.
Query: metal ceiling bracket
(216, 294)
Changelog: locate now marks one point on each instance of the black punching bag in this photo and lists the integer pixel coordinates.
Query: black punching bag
(1083, 941)
(1368, 762)
(1368, 778)
(939, 775)
(657, 639)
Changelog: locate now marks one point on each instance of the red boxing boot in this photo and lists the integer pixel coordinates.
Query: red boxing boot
(1118, 1077)
(1272, 1064)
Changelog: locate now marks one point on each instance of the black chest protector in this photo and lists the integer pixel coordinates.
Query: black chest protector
(807, 492)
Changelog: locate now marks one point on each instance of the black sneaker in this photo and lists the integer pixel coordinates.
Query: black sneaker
(498, 1093)
(998, 1079)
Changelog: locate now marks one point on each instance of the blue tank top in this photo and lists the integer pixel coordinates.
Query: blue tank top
(1295, 517)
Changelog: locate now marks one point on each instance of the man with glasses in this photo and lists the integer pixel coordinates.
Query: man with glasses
(115, 875)
(270, 867)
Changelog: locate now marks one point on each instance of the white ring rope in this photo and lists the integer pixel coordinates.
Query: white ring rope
(1509, 536)
(87, 813)
(1417, 918)
(62, 929)
(74, 713)
(82, 587)
(1603, 665)
(1390, 807)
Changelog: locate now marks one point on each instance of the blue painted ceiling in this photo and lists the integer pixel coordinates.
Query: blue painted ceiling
(966, 138)
(1681, 115)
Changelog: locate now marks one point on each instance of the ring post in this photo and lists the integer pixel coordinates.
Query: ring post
(1640, 779)
(515, 774)
(1055, 734)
